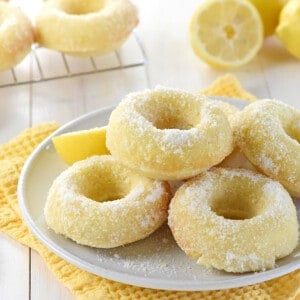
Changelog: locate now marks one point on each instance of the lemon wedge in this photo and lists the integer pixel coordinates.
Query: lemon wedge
(226, 33)
(78, 145)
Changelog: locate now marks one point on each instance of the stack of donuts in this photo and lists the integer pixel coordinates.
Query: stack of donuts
(230, 218)
(81, 28)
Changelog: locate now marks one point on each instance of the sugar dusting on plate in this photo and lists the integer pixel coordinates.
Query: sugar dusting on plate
(156, 254)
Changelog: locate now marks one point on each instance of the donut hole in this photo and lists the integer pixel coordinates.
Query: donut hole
(102, 186)
(237, 204)
(168, 114)
(79, 7)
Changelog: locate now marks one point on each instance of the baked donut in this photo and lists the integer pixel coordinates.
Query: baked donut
(168, 134)
(16, 35)
(236, 159)
(99, 203)
(85, 28)
(269, 135)
(228, 109)
(234, 220)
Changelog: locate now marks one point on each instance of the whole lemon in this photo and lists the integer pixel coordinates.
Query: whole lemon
(288, 30)
(269, 11)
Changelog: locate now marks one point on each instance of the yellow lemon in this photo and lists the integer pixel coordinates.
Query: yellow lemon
(226, 33)
(269, 11)
(288, 30)
(78, 145)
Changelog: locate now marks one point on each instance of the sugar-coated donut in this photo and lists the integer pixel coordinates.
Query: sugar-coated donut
(228, 109)
(268, 133)
(85, 28)
(236, 159)
(234, 220)
(99, 203)
(16, 35)
(168, 134)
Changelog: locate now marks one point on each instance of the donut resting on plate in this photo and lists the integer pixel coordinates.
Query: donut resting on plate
(268, 133)
(234, 220)
(99, 203)
(168, 134)
(236, 159)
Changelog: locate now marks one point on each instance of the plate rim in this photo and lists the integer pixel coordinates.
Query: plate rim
(135, 280)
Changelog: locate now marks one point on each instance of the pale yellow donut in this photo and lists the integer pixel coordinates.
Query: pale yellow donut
(269, 135)
(234, 220)
(99, 203)
(228, 109)
(85, 28)
(168, 134)
(16, 35)
(236, 159)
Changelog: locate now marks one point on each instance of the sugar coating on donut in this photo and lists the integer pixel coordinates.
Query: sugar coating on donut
(172, 133)
(16, 35)
(234, 220)
(99, 203)
(236, 159)
(268, 134)
(85, 28)
(228, 109)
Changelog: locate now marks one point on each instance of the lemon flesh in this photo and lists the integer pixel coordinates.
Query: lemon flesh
(78, 145)
(226, 33)
(288, 30)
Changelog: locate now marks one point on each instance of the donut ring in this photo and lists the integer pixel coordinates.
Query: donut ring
(85, 28)
(236, 159)
(97, 202)
(269, 135)
(228, 109)
(234, 220)
(173, 134)
(16, 36)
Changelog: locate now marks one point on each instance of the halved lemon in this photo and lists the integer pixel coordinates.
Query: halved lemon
(226, 33)
(78, 145)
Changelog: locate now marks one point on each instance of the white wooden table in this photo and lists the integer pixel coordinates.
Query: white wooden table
(163, 30)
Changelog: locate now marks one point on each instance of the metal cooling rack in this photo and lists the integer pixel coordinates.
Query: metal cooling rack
(43, 64)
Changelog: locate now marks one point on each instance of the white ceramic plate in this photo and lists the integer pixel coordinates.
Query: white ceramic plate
(155, 262)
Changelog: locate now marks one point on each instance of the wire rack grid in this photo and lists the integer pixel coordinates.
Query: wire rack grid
(43, 64)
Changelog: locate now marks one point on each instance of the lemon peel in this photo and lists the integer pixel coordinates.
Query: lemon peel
(78, 145)
(288, 30)
(269, 11)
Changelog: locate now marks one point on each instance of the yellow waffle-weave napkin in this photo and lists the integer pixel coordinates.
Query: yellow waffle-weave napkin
(88, 286)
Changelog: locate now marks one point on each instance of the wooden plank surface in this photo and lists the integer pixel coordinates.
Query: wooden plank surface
(163, 30)
(14, 269)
